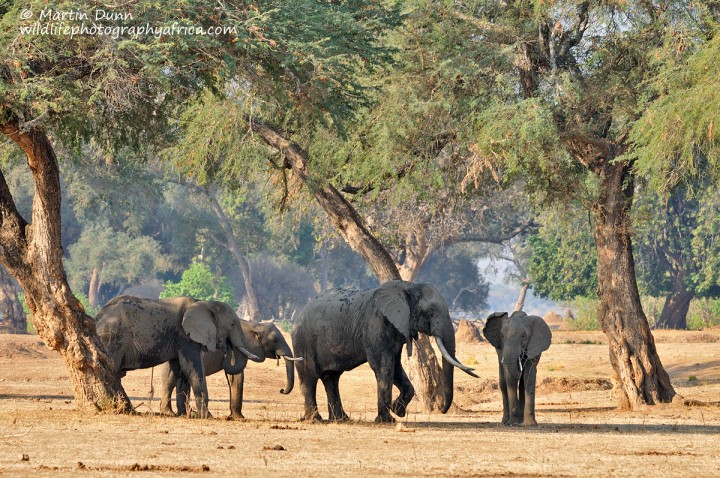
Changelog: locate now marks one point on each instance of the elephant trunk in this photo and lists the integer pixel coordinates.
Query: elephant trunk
(448, 368)
(290, 372)
(510, 362)
(235, 358)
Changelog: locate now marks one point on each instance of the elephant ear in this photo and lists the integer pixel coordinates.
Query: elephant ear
(540, 337)
(493, 327)
(199, 323)
(392, 302)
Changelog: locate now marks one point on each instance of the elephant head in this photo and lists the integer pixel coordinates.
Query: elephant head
(266, 341)
(517, 338)
(413, 308)
(215, 325)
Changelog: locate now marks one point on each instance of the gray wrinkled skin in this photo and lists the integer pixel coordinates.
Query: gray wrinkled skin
(339, 330)
(519, 341)
(263, 339)
(142, 333)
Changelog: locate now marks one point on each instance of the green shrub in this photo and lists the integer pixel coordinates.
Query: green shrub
(587, 316)
(199, 282)
(703, 313)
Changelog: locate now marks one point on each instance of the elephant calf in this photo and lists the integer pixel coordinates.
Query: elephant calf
(519, 340)
(263, 339)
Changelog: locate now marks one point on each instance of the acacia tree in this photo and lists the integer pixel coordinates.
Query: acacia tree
(117, 90)
(575, 78)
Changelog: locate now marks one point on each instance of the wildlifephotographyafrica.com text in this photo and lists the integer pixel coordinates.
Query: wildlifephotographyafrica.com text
(108, 23)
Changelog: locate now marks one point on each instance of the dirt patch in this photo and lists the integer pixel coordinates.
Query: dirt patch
(469, 333)
(580, 431)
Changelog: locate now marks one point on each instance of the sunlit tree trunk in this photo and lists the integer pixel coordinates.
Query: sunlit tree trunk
(640, 374)
(32, 253)
(94, 287)
(521, 298)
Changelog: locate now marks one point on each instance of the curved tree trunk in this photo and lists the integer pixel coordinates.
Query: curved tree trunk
(521, 298)
(94, 287)
(11, 310)
(640, 374)
(234, 248)
(352, 228)
(675, 310)
(32, 253)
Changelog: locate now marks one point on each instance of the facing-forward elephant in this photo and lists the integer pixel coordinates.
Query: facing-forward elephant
(340, 330)
(263, 339)
(142, 333)
(519, 340)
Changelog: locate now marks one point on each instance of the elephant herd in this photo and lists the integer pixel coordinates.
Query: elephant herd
(336, 332)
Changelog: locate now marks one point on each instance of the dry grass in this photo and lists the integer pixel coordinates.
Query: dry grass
(580, 432)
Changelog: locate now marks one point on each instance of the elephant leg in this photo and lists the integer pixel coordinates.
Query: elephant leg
(384, 366)
(504, 391)
(193, 368)
(511, 391)
(182, 388)
(168, 385)
(235, 384)
(331, 381)
(521, 396)
(308, 386)
(529, 392)
(407, 392)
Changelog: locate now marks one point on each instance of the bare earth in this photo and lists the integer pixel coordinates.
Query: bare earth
(580, 432)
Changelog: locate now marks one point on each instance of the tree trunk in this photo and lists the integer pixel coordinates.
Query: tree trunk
(32, 253)
(94, 287)
(521, 299)
(677, 304)
(640, 374)
(324, 267)
(353, 229)
(416, 251)
(11, 310)
(234, 248)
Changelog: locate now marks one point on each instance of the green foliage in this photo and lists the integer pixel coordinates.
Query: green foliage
(30, 327)
(118, 257)
(677, 138)
(83, 298)
(199, 282)
(703, 313)
(587, 316)
(563, 263)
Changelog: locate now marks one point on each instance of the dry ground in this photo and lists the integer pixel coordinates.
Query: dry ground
(580, 432)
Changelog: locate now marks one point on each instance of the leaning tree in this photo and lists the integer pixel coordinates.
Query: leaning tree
(118, 89)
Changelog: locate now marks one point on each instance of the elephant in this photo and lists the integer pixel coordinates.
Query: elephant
(342, 329)
(263, 339)
(519, 340)
(143, 333)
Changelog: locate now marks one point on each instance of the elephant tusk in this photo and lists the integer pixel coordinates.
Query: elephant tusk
(293, 359)
(249, 354)
(450, 359)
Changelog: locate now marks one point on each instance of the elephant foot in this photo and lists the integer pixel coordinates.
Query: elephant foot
(312, 417)
(529, 423)
(384, 419)
(399, 408)
(341, 418)
(206, 415)
(235, 416)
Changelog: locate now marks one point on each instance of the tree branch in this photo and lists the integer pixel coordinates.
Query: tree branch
(530, 224)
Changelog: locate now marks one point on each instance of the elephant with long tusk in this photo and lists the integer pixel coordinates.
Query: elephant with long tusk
(143, 333)
(340, 330)
(264, 339)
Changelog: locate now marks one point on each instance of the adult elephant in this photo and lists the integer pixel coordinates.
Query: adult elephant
(519, 340)
(340, 330)
(263, 339)
(142, 333)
